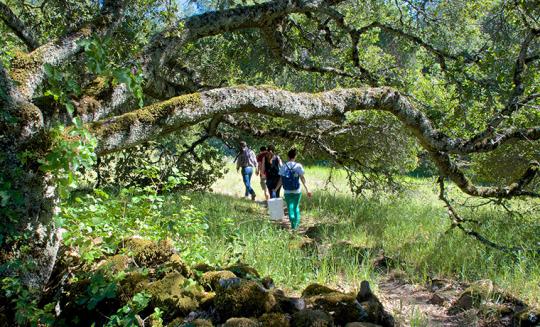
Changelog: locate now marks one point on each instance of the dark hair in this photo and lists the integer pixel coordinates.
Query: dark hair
(271, 147)
(263, 148)
(292, 153)
(243, 144)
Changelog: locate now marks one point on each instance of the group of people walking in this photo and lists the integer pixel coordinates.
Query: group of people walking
(274, 174)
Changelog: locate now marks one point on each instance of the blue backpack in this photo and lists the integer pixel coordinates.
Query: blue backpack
(290, 180)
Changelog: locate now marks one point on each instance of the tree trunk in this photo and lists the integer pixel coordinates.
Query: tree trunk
(29, 238)
(30, 248)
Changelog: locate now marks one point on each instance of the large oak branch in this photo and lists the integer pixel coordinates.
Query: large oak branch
(164, 117)
(165, 46)
(20, 29)
(28, 70)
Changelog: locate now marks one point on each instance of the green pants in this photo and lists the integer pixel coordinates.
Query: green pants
(293, 202)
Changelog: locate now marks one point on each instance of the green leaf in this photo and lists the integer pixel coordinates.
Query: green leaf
(70, 108)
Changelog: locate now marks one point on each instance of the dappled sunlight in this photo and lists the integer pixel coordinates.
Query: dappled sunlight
(412, 229)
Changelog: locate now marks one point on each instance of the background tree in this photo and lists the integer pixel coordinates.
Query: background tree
(460, 77)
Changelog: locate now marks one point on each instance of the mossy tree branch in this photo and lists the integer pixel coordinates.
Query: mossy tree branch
(28, 70)
(18, 27)
(164, 117)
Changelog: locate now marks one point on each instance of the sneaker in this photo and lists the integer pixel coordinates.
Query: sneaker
(253, 197)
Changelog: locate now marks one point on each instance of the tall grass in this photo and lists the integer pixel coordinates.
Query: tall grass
(412, 228)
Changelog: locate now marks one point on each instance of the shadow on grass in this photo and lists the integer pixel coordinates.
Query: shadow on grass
(341, 235)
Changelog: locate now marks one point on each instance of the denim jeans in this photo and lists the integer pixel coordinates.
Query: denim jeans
(246, 177)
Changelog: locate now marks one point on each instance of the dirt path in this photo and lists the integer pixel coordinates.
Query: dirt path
(411, 305)
(415, 305)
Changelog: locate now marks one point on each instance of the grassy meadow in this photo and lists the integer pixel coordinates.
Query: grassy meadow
(411, 227)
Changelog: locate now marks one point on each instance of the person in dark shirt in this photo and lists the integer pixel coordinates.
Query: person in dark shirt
(260, 160)
(271, 165)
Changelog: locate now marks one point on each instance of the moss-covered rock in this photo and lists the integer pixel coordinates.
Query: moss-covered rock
(194, 323)
(179, 322)
(373, 307)
(210, 280)
(274, 320)
(133, 283)
(343, 307)
(312, 318)
(148, 253)
(244, 299)
(375, 313)
(115, 263)
(206, 301)
(243, 270)
(170, 294)
(317, 289)
(203, 267)
(176, 322)
(286, 304)
(241, 322)
(175, 263)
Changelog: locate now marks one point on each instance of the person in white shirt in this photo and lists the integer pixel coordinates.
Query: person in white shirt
(291, 173)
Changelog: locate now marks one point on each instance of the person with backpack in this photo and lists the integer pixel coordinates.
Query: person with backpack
(291, 173)
(271, 164)
(247, 161)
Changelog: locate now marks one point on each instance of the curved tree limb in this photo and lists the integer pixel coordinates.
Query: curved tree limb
(28, 70)
(162, 118)
(159, 56)
(18, 27)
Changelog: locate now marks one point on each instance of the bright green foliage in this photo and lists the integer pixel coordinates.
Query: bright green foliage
(61, 86)
(128, 314)
(101, 62)
(72, 150)
(25, 303)
(97, 223)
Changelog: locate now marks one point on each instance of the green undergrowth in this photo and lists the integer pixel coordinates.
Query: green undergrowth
(411, 227)
(346, 234)
(239, 231)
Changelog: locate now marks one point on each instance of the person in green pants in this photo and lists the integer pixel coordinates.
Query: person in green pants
(291, 173)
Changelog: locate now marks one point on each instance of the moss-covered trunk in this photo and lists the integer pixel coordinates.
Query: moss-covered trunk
(30, 238)
(28, 199)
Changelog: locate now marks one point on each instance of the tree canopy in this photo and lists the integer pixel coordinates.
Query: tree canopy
(368, 84)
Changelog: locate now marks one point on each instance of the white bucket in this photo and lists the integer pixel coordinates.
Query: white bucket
(275, 208)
